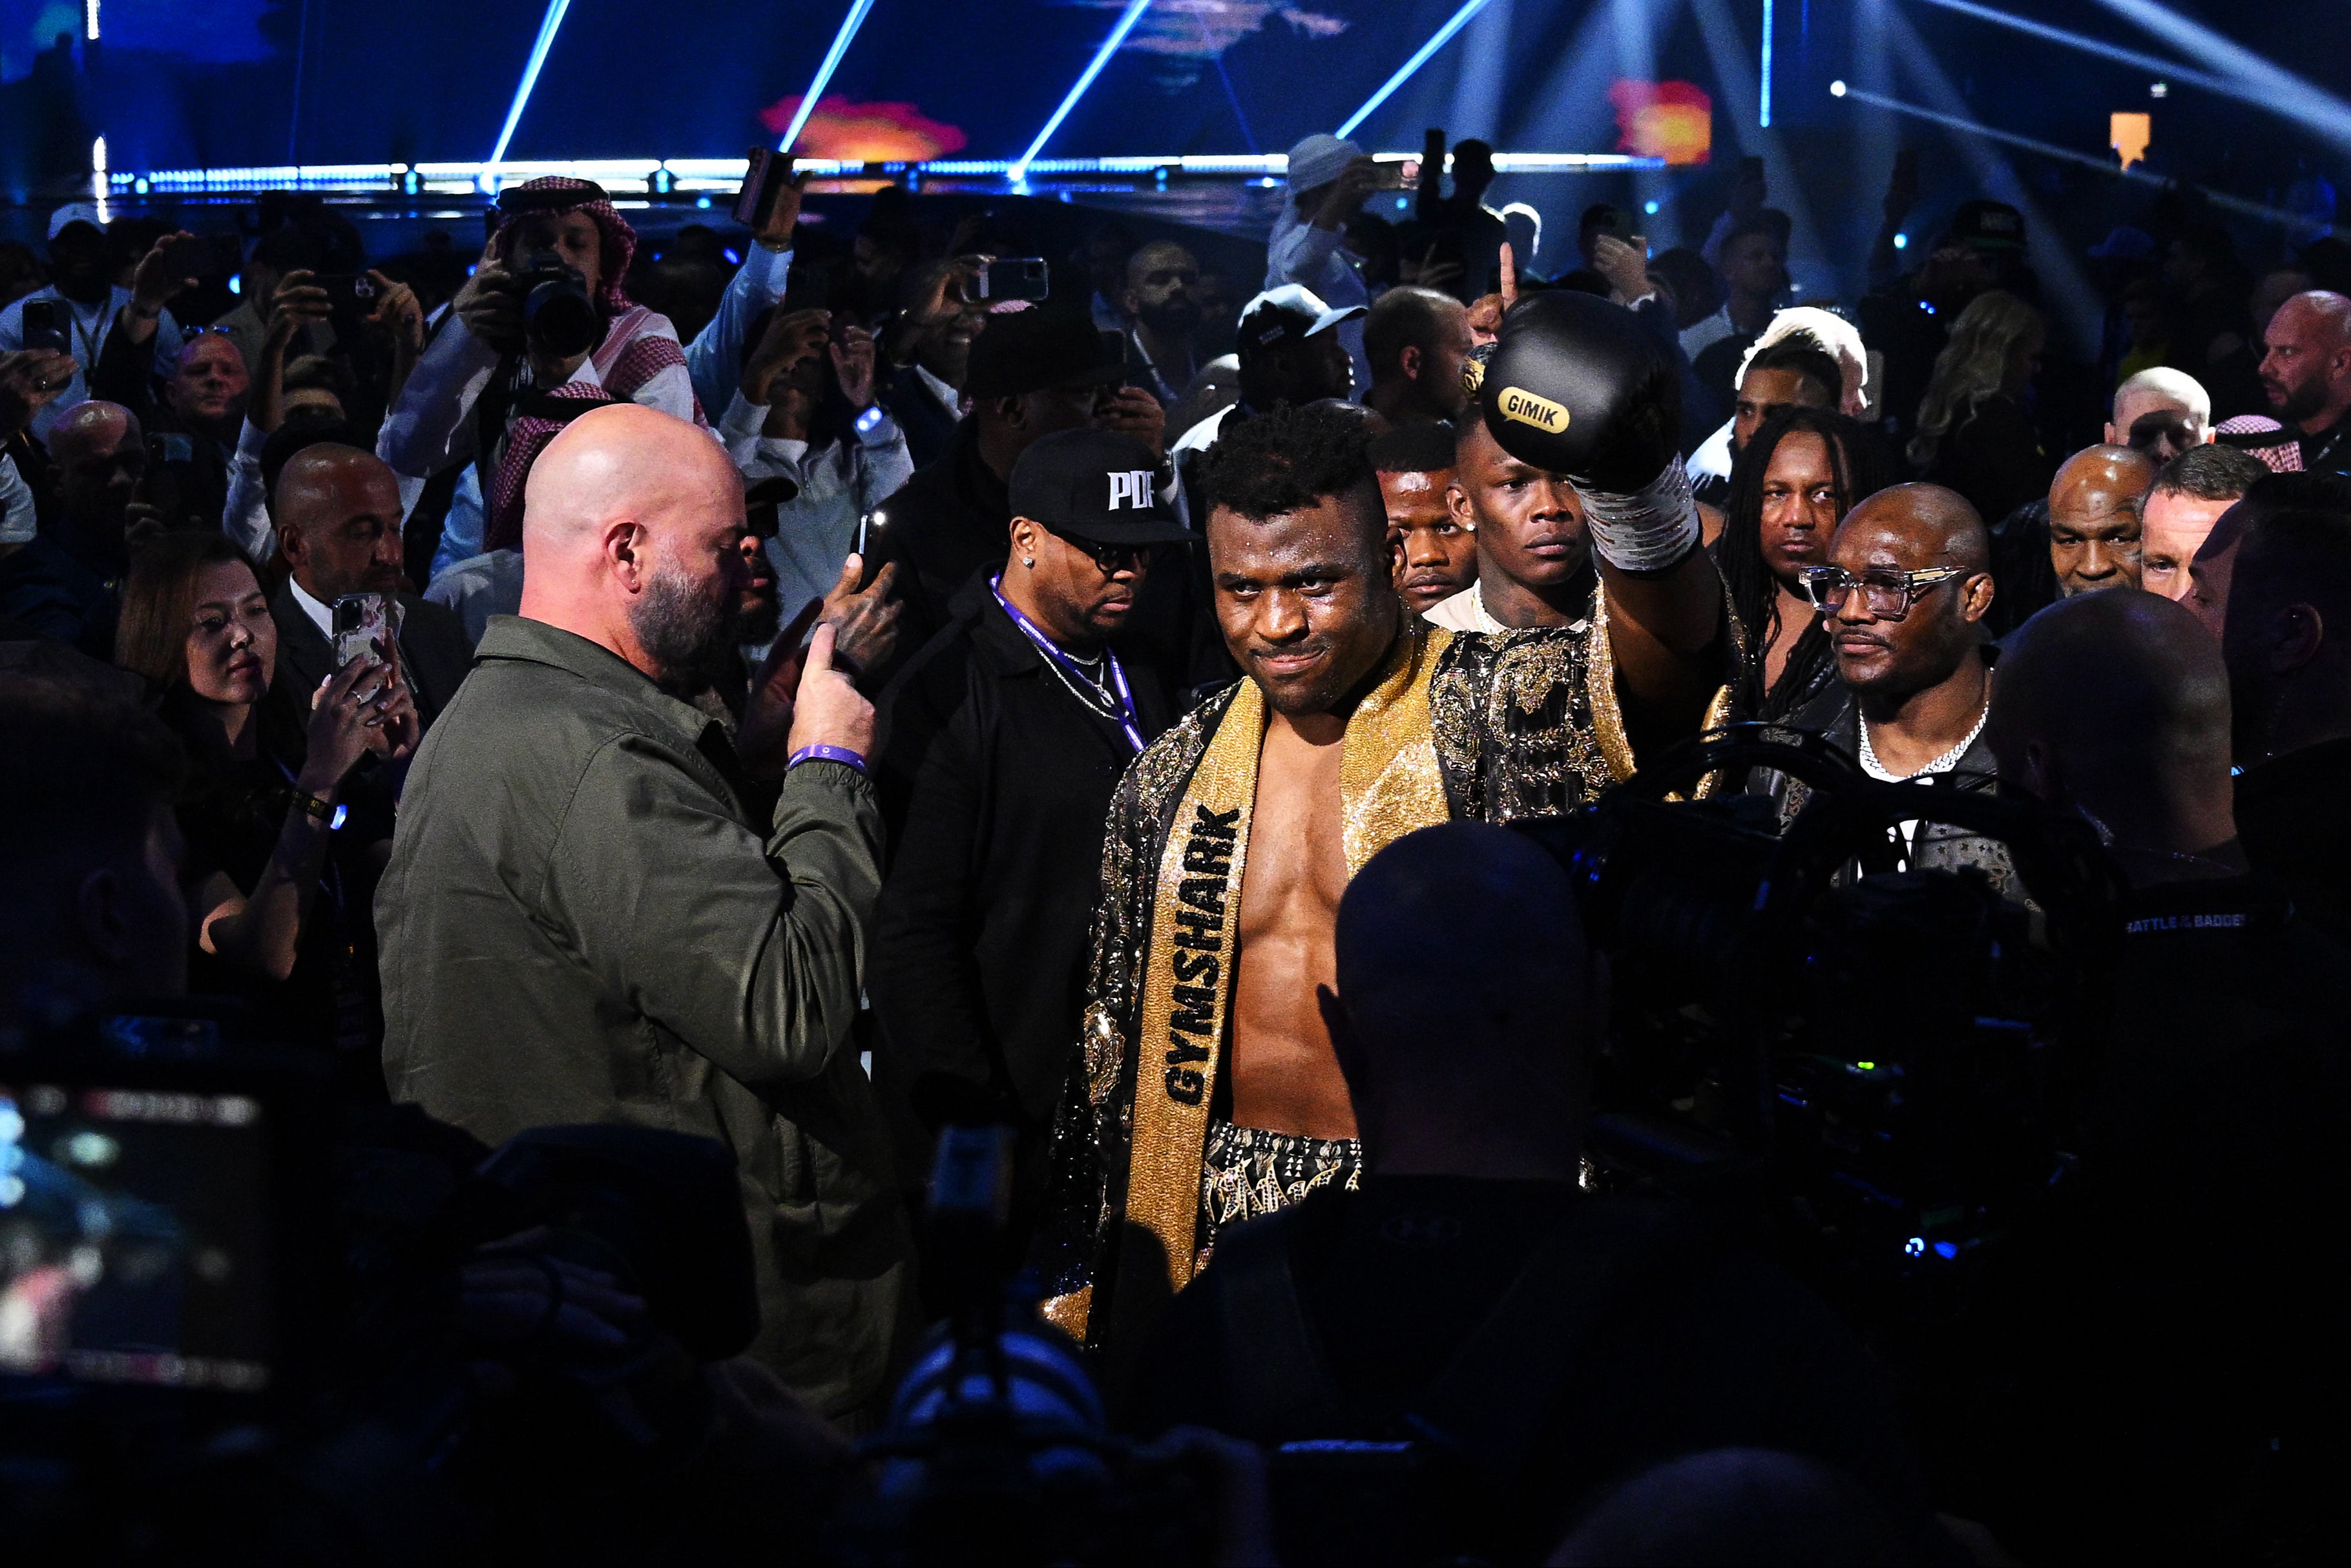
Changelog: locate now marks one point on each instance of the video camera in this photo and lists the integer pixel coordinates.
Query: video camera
(997, 1449)
(1885, 1073)
(200, 1245)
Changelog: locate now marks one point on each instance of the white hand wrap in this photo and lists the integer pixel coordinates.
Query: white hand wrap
(1650, 530)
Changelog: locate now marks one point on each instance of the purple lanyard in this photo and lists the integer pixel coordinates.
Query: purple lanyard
(1127, 721)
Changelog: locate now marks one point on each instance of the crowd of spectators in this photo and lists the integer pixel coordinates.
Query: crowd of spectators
(756, 649)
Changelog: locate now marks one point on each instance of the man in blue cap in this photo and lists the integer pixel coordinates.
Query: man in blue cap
(83, 308)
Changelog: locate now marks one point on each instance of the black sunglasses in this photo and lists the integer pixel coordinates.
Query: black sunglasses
(1108, 558)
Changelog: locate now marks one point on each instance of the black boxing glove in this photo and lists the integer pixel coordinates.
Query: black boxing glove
(1576, 385)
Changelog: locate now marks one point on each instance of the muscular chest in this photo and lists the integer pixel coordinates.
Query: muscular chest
(1296, 866)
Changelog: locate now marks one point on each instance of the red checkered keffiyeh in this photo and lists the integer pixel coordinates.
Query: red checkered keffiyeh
(2285, 458)
(619, 240)
(527, 436)
(639, 344)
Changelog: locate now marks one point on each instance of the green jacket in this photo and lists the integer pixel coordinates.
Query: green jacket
(580, 925)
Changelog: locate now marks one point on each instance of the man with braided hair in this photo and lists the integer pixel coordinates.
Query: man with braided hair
(1206, 1090)
(482, 370)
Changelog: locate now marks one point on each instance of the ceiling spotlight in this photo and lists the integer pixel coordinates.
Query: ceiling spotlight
(1837, 90)
(1650, 208)
(2159, 89)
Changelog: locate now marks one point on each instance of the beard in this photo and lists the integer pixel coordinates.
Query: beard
(2302, 399)
(760, 621)
(681, 626)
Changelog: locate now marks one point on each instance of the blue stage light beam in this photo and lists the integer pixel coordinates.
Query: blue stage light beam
(1443, 36)
(547, 29)
(1126, 21)
(2167, 70)
(2253, 78)
(849, 26)
(1764, 119)
(2051, 150)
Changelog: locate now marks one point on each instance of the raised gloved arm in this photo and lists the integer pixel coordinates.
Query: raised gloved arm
(1577, 385)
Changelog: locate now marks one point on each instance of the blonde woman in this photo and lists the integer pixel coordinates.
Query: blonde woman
(1974, 435)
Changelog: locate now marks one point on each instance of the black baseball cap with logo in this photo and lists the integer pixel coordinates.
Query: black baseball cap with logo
(1094, 485)
(1983, 224)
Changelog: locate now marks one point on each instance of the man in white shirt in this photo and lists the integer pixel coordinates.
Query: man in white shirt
(1329, 179)
(88, 309)
(782, 422)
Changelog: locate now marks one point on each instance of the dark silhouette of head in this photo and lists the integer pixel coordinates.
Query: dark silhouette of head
(1459, 1017)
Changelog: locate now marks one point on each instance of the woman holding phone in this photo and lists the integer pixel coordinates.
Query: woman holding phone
(280, 819)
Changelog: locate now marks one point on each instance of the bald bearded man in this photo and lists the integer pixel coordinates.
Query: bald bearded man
(2095, 505)
(582, 923)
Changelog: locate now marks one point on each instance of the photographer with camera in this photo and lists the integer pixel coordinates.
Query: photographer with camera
(85, 308)
(1528, 1340)
(546, 305)
(675, 961)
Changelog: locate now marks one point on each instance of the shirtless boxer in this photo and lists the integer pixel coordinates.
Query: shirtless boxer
(1208, 1091)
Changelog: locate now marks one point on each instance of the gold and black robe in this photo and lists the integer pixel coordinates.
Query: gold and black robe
(1488, 727)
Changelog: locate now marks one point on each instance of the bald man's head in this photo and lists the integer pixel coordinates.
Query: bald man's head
(2306, 360)
(97, 455)
(337, 514)
(2095, 519)
(632, 528)
(2162, 412)
(2115, 705)
(1908, 530)
(1461, 973)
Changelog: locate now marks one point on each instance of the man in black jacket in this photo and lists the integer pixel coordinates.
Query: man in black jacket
(1008, 733)
(1032, 373)
(336, 509)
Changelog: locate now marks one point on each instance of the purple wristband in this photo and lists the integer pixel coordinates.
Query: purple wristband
(840, 754)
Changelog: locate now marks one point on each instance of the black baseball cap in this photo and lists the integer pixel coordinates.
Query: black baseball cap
(1984, 224)
(1094, 485)
(1024, 352)
(1292, 310)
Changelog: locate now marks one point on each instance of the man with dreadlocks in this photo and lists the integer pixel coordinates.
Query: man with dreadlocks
(1206, 1090)
(483, 372)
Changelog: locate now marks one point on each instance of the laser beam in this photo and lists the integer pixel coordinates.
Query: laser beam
(1126, 21)
(849, 26)
(546, 41)
(2052, 149)
(1764, 118)
(1443, 37)
(2168, 70)
(2255, 79)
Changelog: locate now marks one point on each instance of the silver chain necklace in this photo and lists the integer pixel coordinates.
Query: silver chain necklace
(1942, 764)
